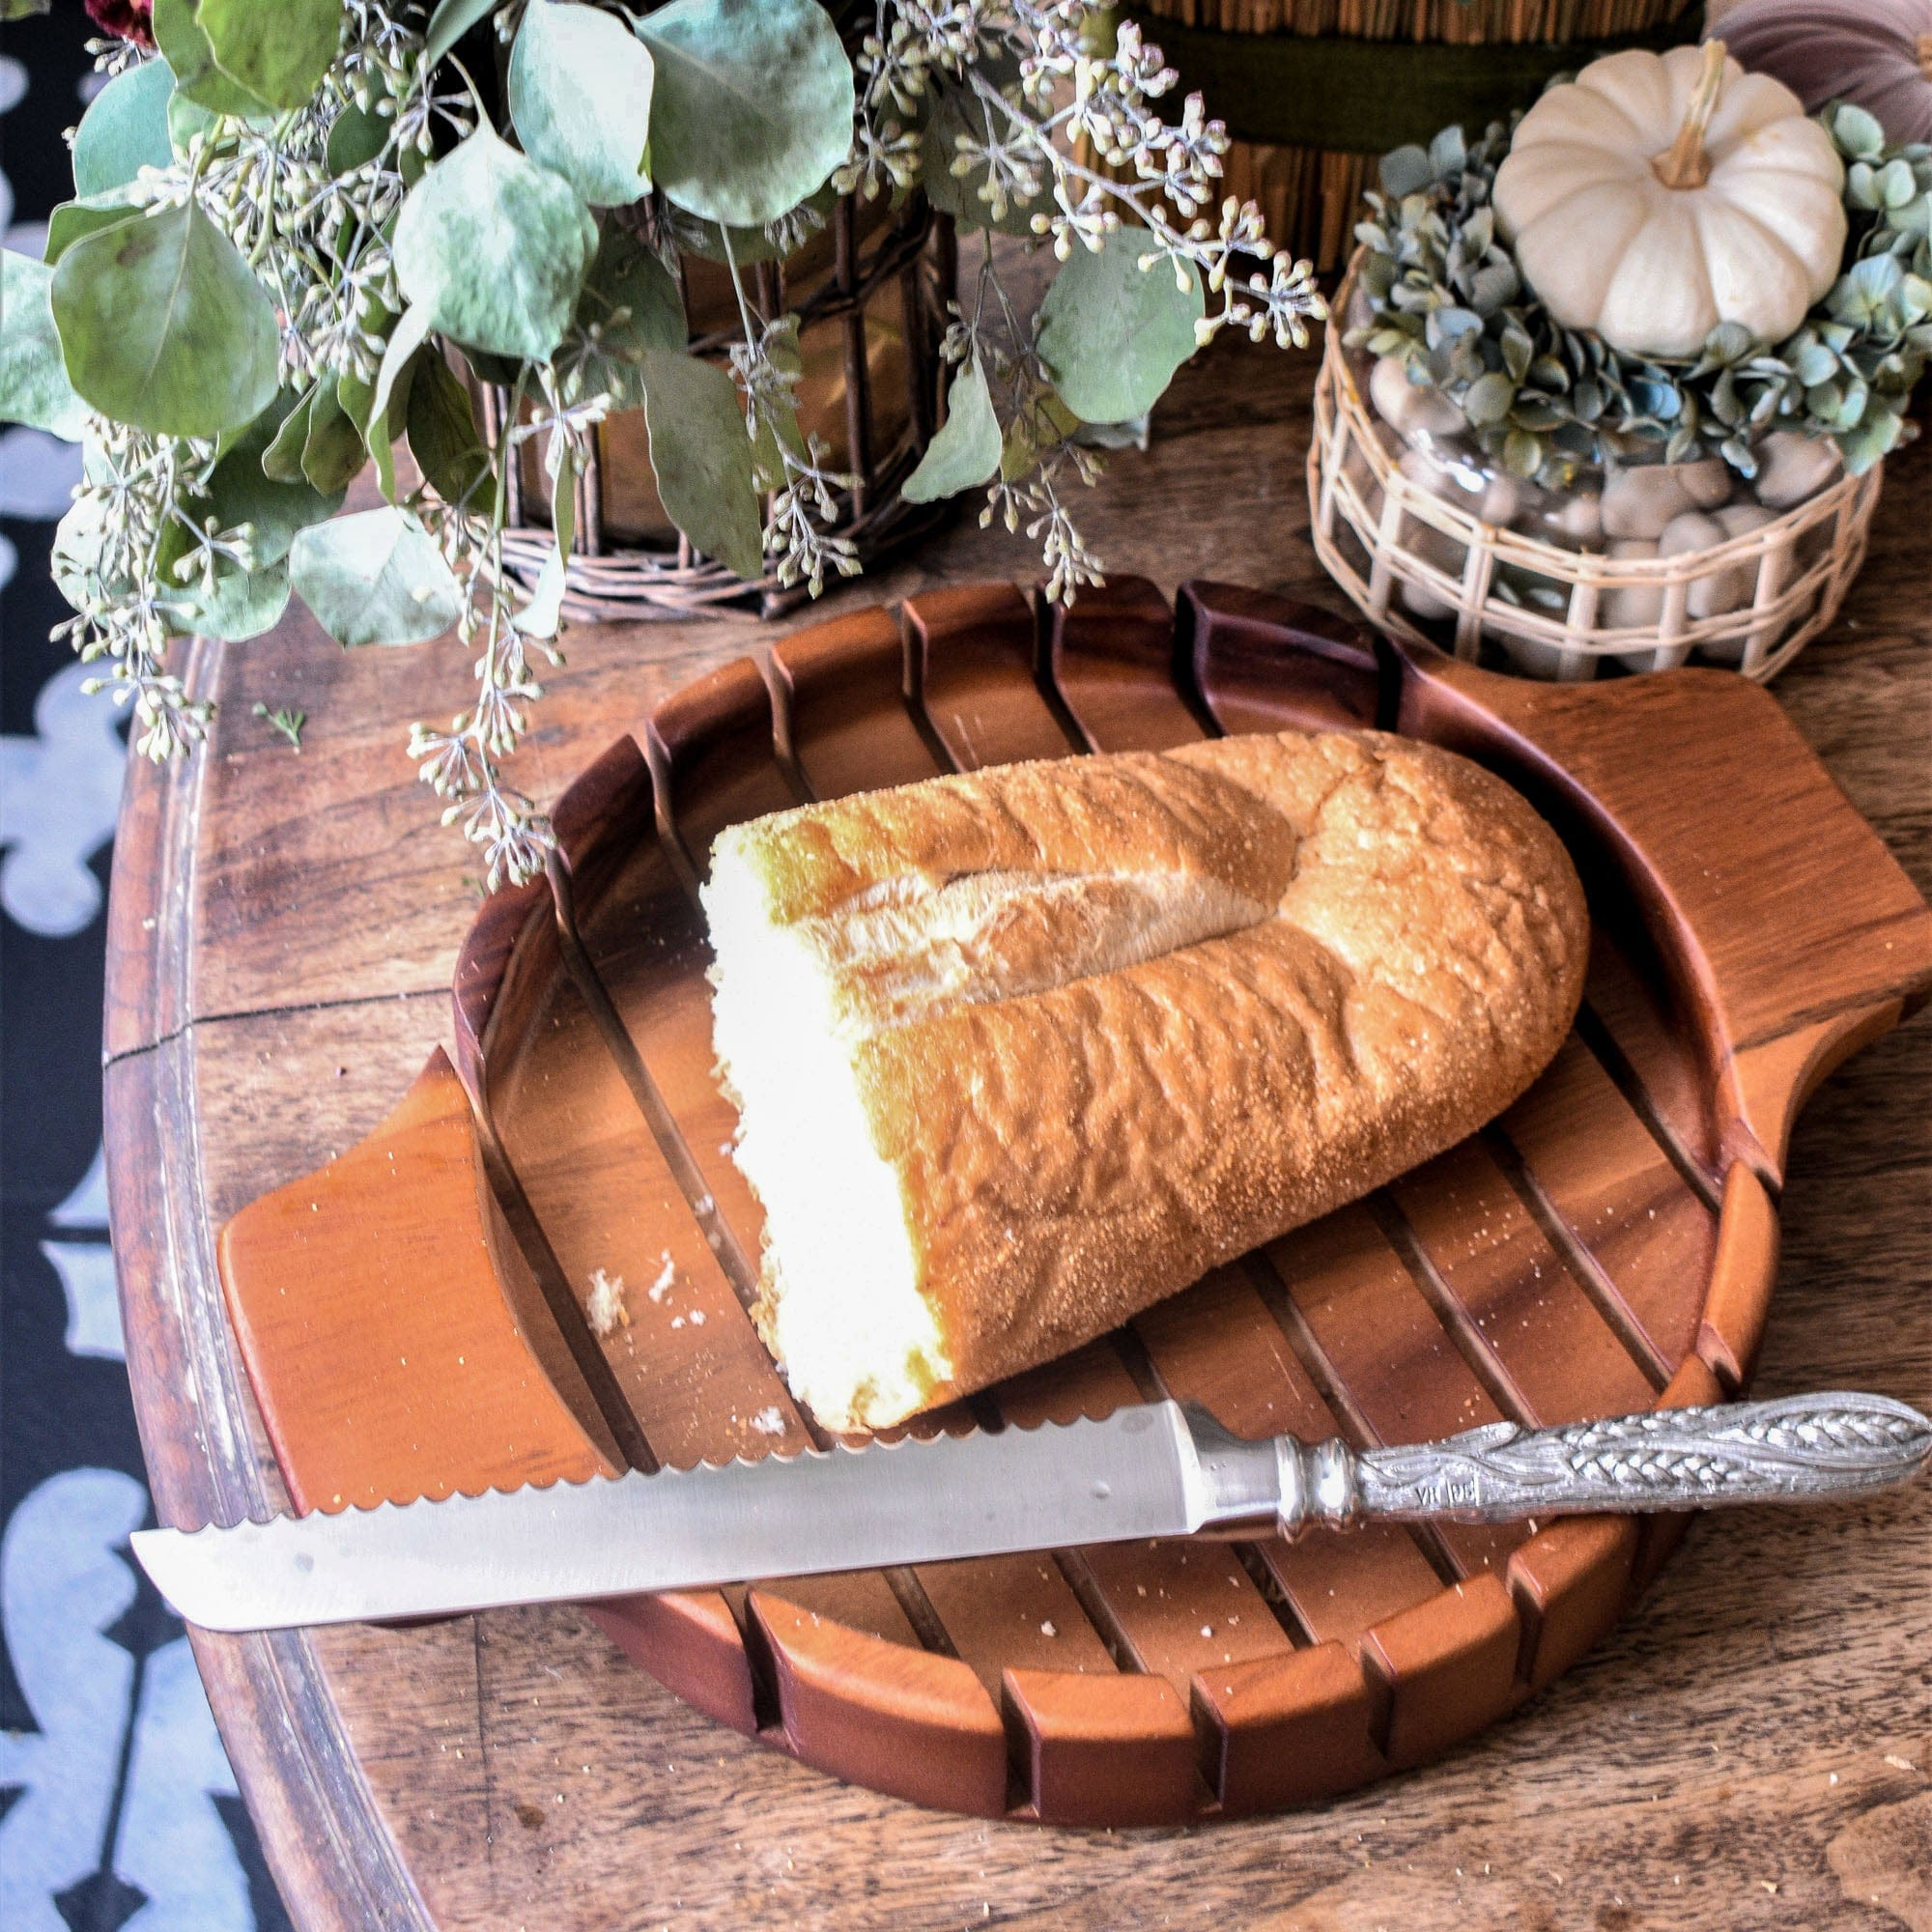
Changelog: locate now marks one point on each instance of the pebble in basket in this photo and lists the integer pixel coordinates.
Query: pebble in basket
(295, 220)
(1611, 386)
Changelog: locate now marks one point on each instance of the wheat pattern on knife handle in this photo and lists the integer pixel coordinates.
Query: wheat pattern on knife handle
(1794, 1449)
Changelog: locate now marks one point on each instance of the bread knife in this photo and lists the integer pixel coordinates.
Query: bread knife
(1158, 1470)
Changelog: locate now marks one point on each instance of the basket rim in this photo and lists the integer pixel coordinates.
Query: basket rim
(1586, 566)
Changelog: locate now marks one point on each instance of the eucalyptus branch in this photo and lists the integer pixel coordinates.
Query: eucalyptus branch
(332, 220)
(790, 464)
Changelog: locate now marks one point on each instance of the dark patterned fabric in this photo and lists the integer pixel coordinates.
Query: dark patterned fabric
(117, 1805)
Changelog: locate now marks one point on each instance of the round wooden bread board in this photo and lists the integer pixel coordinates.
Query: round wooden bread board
(1607, 1245)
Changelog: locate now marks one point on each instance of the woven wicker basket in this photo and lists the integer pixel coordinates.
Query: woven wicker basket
(870, 291)
(1377, 530)
(1316, 90)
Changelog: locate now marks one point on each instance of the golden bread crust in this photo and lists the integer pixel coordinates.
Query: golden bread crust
(1395, 947)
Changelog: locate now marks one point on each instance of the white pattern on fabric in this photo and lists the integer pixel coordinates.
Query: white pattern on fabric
(86, 1268)
(63, 1585)
(60, 791)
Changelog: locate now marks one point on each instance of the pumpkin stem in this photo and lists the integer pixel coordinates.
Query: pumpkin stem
(1686, 164)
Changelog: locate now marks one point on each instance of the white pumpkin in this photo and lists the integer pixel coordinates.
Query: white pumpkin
(1875, 52)
(1657, 195)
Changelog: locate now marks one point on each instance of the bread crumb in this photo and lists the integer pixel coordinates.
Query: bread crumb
(1899, 1763)
(768, 1421)
(677, 1320)
(1047, 1629)
(605, 1310)
(698, 1318)
(660, 1286)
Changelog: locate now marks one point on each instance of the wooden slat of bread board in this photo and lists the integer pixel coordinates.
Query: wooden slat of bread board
(1390, 1357)
(684, 1350)
(1620, 1195)
(1261, 662)
(1215, 1344)
(970, 675)
(1655, 1050)
(1014, 1612)
(1508, 1293)
(1165, 1603)
(1111, 658)
(644, 940)
(841, 711)
(1742, 1278)
(710, 750)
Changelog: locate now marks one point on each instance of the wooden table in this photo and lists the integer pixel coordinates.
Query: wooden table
(1751, 1748)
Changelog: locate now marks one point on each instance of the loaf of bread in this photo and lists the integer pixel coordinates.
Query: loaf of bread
(1018, 1053)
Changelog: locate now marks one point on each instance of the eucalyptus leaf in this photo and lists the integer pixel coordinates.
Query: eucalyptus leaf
(282, 460)
(442, 431)
(410, 330)
(376, 578)
(1488, 400)
(631, 304)
(1048, 422)
(186, 49)
(495, 248)
(580, 98)
(1111, 334)
(357, 136)
(541, 616)
(239, 605)
(185, 120)
(701, 457)
(451, 20)
(125, 129)
(956, 111)
(379, 430)
(752, 107)
(563, 503)
(334, 452)
(88, 214)
(278, 53)
(34, 384)
(966, 449)
(164, 327)
(240, 492)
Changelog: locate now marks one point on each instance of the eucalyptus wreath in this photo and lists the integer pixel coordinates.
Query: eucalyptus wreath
(291, 216)
(1444, 295)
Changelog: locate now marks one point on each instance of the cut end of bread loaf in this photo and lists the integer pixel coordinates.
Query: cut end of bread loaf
(1017, 1053)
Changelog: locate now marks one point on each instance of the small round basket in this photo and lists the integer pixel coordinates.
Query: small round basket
(1382, 535)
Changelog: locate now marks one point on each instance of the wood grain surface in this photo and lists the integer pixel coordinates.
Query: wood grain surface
(1751, 1748)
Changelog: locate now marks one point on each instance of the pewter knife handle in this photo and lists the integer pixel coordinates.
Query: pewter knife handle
(1805, 1448)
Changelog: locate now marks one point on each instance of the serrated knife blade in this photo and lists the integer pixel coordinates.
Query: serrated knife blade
(1151, 1471)
(835, 1509)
